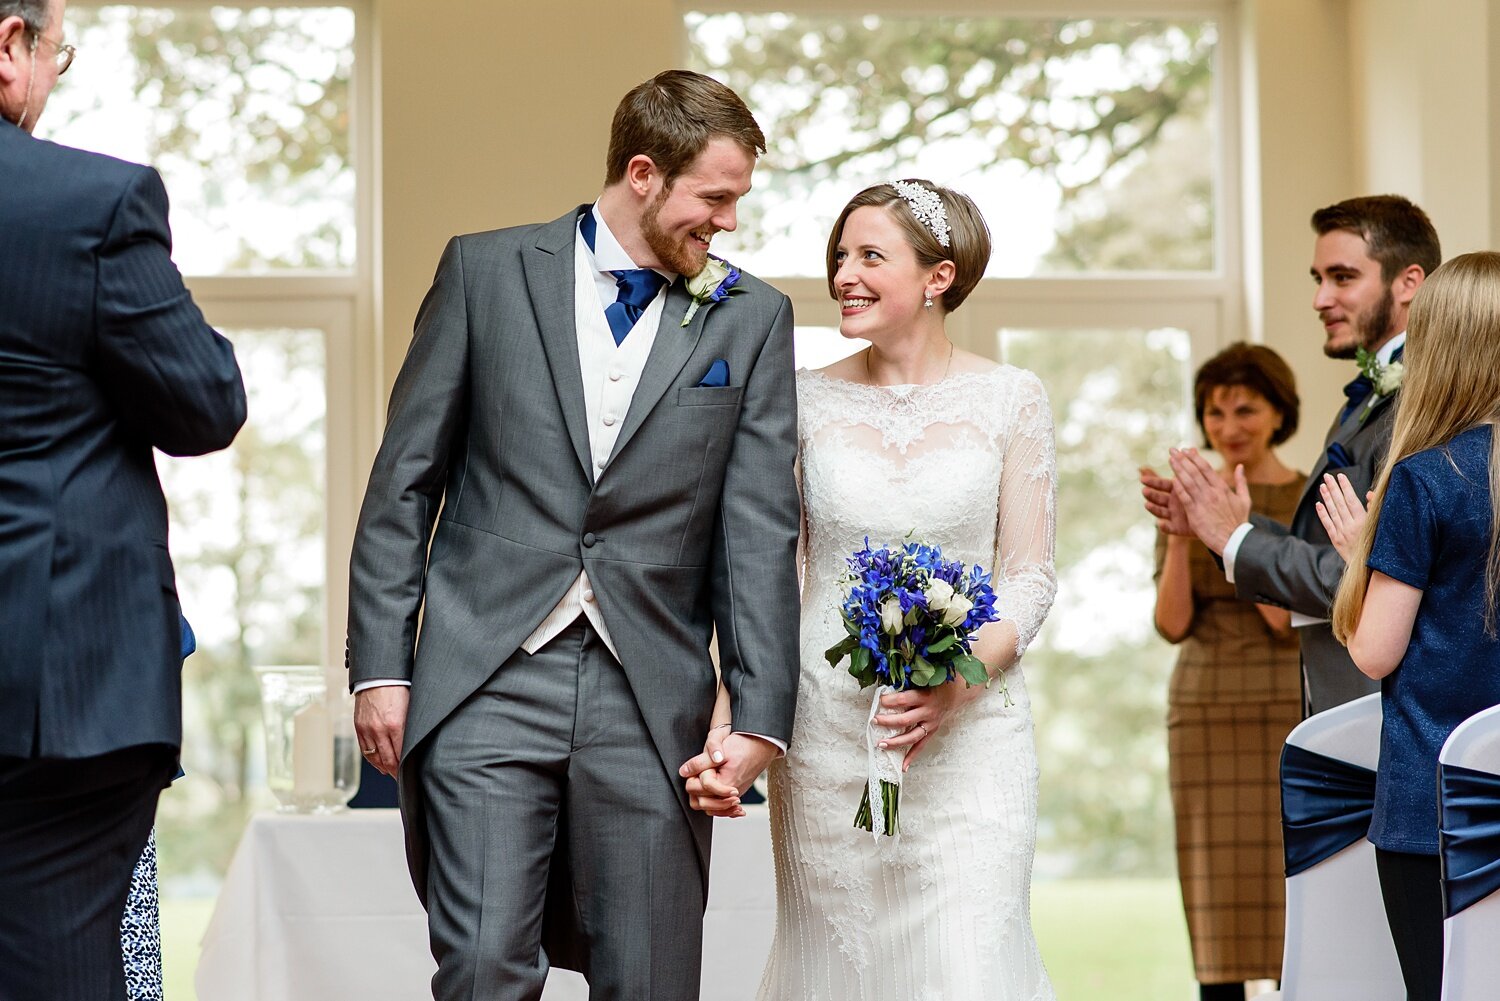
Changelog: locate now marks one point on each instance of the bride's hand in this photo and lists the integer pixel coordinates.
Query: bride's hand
(918, 714)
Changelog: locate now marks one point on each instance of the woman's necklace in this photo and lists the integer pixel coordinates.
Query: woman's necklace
(870, 376)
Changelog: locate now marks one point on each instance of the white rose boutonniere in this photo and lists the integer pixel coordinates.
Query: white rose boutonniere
(716, 282)
(1386, 378)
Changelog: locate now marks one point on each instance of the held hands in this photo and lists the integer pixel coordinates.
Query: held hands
(1212, 510)
(917, 714)
(729, 763)
(1341, 513)
(380, 725)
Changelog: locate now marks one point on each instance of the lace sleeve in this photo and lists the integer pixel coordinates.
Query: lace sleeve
(1026, 531)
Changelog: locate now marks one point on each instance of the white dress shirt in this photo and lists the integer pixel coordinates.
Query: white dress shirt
(1232, 547)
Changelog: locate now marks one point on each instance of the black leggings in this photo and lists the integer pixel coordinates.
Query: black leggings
(1411, 886)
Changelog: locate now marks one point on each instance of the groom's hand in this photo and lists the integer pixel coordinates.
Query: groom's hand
(380, 725)
(719, 776)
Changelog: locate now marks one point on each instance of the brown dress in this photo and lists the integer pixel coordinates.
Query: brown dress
(1235, 695)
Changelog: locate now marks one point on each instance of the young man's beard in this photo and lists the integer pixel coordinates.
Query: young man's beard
(1369, 330)
(674, 255)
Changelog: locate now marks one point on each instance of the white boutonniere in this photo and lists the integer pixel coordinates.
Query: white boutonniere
(716, 282)
(1385, 377)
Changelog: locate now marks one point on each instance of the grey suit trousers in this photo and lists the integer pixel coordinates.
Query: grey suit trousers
(550, 765)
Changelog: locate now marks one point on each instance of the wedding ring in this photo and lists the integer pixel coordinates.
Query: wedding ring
(367, 750)
(925, 732)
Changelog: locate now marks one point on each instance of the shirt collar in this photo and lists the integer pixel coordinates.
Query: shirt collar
(1389, 348)
(609, 255)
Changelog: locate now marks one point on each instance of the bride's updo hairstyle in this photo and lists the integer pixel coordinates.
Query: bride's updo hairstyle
(968, 236)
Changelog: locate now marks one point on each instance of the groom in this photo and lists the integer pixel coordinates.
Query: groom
(610, 473)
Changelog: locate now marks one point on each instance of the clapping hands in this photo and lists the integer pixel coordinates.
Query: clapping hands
(1342, 514)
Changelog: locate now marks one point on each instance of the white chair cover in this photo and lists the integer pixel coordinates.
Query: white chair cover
(1471, 962)
(1338, 946)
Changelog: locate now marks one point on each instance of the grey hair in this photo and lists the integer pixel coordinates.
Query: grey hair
(37, 14)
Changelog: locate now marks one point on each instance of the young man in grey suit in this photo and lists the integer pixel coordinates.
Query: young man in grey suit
(1371, 256)
(103, 356)
(610, 471)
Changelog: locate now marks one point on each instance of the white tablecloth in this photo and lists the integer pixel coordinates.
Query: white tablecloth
(321, 909)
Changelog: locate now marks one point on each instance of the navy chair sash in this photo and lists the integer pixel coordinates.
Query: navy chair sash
(1326, 806)
(1468, 835)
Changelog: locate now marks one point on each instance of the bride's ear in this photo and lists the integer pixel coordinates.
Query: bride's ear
(940, 278)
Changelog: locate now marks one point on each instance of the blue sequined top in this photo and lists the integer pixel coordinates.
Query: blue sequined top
(1434, 534)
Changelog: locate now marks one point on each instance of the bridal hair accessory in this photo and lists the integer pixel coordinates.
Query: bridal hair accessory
(927, 206)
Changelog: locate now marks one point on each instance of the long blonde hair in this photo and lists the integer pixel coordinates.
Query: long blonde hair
(1451, 384)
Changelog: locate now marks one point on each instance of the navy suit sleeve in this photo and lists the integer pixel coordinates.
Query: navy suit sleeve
(171, 376)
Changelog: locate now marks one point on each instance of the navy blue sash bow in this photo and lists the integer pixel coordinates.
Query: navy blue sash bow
(1326, 806)
(1468, 835)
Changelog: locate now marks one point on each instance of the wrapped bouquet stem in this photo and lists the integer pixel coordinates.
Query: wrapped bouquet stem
(911, 617)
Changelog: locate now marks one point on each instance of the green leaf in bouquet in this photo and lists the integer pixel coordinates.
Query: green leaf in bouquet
(841, 649)
(912, 615)
(924, 672)
(849, 626)
(971, 669)
(861, 668)
(946, 643)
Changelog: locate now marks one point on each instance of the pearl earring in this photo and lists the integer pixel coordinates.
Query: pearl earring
(927, 302)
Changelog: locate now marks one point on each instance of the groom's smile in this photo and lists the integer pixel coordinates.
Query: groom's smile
(682, 220)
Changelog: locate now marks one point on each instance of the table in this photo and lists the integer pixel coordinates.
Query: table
(320, 907)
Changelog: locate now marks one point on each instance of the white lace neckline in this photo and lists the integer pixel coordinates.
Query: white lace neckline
(905, 389)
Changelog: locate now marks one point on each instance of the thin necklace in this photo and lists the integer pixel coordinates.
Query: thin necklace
(870, 376)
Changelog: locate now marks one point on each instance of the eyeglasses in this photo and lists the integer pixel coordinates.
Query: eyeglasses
(65, 52)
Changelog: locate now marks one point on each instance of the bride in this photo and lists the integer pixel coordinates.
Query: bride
(912, 437)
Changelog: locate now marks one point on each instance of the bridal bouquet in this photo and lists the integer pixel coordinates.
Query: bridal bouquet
(911, 617)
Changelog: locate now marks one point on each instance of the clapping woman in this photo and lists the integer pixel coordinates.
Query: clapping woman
(1417, 604)
(1236, 690)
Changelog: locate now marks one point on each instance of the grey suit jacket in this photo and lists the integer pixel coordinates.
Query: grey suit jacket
(1300, 570)
(691, 525)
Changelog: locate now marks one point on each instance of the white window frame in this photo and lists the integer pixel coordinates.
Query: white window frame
(1210, 305)
(340, 304)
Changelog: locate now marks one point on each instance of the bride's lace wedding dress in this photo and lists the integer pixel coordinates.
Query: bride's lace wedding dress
(941, 913)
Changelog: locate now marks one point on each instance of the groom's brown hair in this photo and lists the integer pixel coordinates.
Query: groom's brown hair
(671, 118)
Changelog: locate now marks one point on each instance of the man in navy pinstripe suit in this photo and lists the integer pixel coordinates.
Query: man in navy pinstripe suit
(103, 356)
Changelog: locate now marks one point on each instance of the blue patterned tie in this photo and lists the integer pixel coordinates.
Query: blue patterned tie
(637, 287)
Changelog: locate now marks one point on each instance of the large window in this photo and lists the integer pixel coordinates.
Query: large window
(1098, 149)
(256, 118)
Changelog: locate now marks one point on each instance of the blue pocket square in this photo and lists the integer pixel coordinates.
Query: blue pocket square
(718, 375)
(1339, 457)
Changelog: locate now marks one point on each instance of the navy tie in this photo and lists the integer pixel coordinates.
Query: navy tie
(1358, 391)
(637, 287)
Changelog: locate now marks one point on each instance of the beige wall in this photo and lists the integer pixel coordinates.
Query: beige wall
(1299, 127)
(495, 112)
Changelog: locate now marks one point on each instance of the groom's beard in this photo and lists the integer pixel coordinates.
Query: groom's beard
(679, 256)
(1369, 329)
